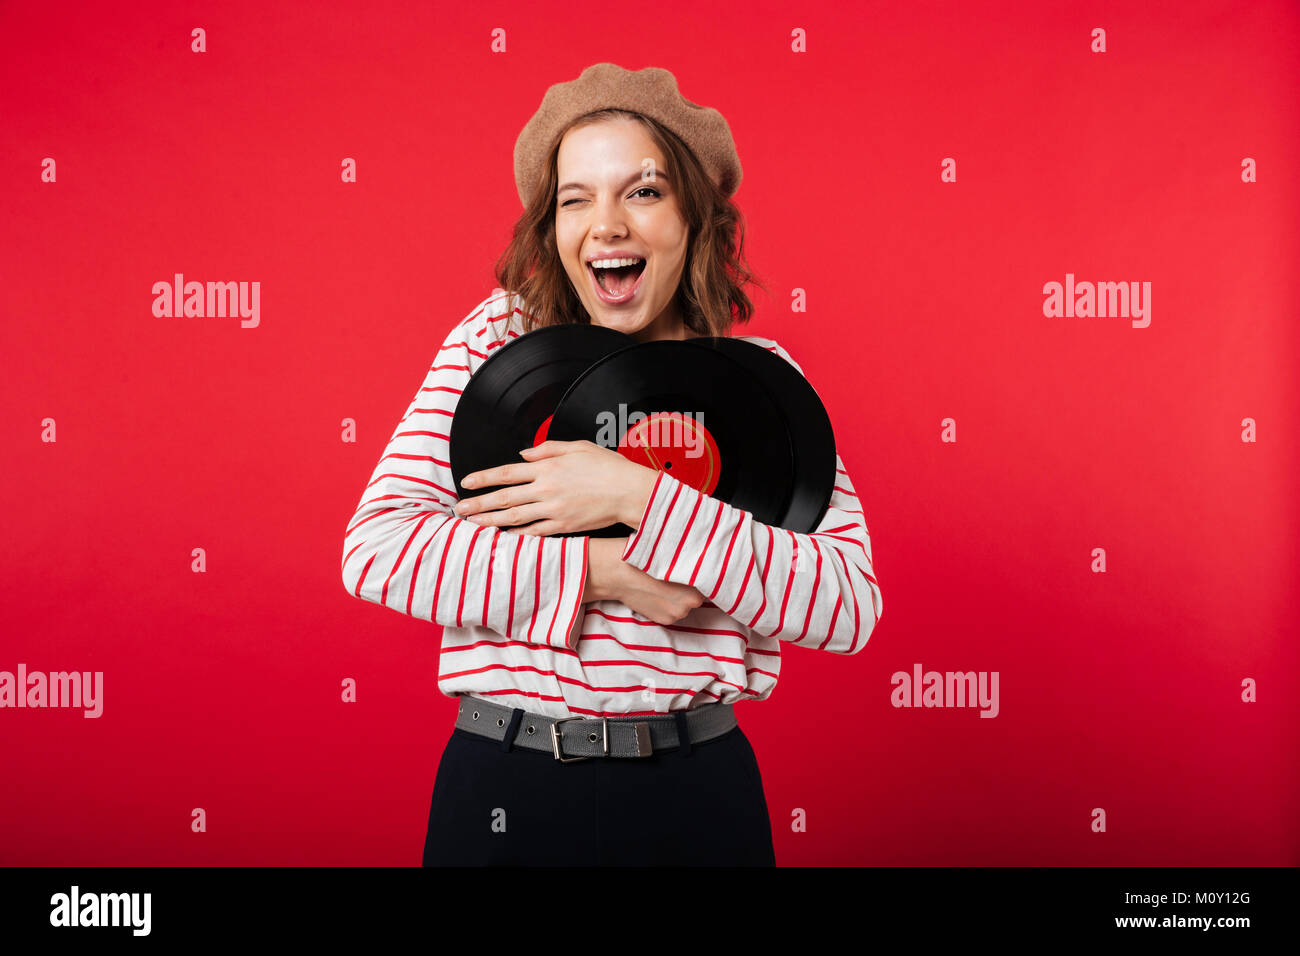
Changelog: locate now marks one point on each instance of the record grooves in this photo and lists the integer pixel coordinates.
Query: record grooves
(811, 434)
(516, 390)
(722, 415)
(754, 467)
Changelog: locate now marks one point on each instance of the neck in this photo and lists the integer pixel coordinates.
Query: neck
(668, 325)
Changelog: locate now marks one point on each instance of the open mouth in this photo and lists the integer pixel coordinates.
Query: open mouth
(619, 283)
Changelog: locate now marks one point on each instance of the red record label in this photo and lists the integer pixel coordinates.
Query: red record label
(541, 431)
(676, 443)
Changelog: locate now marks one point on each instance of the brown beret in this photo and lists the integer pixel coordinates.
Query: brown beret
(651, 92)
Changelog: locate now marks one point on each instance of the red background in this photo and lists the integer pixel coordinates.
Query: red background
(222, 690)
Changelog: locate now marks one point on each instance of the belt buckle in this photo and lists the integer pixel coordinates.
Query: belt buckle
(555, 738)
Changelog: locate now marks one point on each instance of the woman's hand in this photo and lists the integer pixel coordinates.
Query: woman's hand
(610, 578)
(563, 486)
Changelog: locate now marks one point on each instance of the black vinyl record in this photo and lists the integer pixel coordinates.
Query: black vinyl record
(811, 435)
(516, 390)
(725, 436)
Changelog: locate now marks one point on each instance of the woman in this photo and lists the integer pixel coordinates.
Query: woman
(597, 676)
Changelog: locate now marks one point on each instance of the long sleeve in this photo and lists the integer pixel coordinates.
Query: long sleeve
(405, 549)
(817, 590)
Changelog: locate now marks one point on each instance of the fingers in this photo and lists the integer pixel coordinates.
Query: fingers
(511, 474)
(666, 602)
(496, 500)
(509, 517)
(551, 448)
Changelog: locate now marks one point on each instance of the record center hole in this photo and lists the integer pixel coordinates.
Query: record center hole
(668, 465)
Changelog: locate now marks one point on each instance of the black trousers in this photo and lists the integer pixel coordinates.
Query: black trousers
(697, 806)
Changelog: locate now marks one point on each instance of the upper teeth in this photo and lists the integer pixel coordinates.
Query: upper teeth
(614, 263)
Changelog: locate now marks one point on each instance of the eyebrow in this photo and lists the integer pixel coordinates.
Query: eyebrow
(659, 174)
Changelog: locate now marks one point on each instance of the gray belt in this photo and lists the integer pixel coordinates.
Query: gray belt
(579, 738)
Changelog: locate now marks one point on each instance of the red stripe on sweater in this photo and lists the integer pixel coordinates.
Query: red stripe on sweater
(407, 498)
(707, 541)
(438, 435)
(442, 566)
(497, 318)
(830, 631)
(857, 617)
(789, 583)
(845, 527)
(563, 679)
(559, 598)
(674, 627)
(383, 594)
(577, 609)
(537, 590)
(352, 552)
(726, 560)
(846, 540)
(487, 304)
(532, 648)
(744, 582)
(510, 333)
(429, 458)
(812, 600)
(663, 524)
(636, 536)
(487, 588)
(514, 571)
(464, 578)
(762, 577)
(661, 670)
(590, 637)
(419, 559)
(419, 481)
(699, 498)
(364, 571)
(378, 514)
(461, 345)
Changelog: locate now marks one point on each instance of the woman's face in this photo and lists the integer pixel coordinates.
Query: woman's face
(604, 205)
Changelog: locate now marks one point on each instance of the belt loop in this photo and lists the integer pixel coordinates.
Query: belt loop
(683, 738)
(508, 741)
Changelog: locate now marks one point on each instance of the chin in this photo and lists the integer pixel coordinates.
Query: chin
(624, 326)
(628, 323)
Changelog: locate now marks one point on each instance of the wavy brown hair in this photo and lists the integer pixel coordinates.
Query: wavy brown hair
(710, 296)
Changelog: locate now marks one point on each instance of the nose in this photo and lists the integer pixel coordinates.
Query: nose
(608, 219)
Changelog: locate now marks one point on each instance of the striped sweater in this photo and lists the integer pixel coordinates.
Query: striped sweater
(514, 627)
